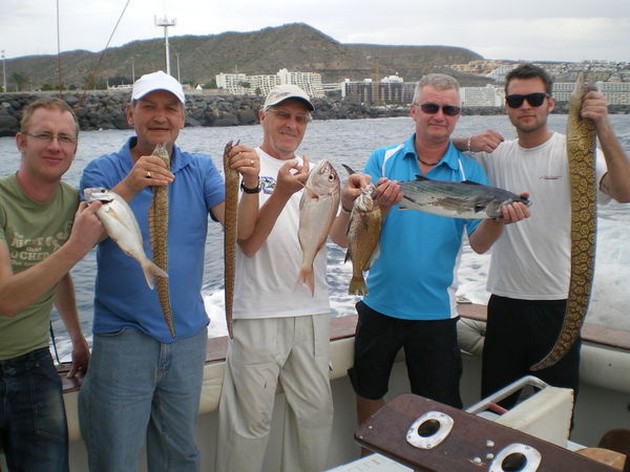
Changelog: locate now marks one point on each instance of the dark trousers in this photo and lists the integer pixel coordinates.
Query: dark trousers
(33, 428)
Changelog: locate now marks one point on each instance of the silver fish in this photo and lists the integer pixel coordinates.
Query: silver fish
(466, 199)
(318, 208)
(121, 225)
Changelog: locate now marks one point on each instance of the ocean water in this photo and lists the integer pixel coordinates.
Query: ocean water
(350, 142)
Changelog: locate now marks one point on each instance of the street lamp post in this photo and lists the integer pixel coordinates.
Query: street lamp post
(165, 23)
(4, 74)
(178, 76)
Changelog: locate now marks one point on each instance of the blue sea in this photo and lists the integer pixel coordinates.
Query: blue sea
(350, 142)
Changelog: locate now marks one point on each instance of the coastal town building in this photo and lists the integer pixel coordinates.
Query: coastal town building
(260, 85)
(612, 79)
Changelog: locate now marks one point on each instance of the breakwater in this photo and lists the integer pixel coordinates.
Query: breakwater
(106, 109)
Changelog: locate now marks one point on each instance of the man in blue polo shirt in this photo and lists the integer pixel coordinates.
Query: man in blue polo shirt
(411, 286)
(143, 383)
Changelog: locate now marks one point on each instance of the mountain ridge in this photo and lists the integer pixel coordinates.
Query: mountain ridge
(294, 46)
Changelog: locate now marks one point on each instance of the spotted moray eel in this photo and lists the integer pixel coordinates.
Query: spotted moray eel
(581, 141)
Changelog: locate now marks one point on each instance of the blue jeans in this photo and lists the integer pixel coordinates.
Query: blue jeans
(137, 388)
(33, 427)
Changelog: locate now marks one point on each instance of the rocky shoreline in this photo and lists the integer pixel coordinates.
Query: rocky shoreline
(106, 109)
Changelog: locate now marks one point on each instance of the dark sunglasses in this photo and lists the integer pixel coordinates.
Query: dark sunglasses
(534, 99)
(433, 108)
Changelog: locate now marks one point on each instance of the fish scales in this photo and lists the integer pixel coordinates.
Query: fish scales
(122, 227)
(581, 142)
(466, 199)
(158, 237)
(318, 207)
(364, 232)
(229, 234)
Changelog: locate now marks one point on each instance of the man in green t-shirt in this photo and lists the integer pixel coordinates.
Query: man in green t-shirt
(43, 233)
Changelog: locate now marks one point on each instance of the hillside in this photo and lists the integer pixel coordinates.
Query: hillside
(293, 46)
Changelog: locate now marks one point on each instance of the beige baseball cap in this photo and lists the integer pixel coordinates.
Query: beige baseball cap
(157, 81)
(283, 92)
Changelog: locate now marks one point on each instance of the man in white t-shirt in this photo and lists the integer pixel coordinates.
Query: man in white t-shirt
(530, 263)
(281, 332)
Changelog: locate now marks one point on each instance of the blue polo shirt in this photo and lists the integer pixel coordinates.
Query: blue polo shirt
(122, 298)
(415, 276)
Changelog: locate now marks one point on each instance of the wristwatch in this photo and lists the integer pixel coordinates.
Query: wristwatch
(256, 189)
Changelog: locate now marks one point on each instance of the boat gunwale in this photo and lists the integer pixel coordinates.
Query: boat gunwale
(343, 327)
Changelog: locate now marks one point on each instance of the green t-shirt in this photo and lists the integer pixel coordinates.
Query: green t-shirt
(32, 232)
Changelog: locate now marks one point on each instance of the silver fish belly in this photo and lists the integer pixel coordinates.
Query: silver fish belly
(122, 227)
(318, 208)
(466, 200)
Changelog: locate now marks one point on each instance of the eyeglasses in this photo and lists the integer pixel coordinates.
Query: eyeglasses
(63, 139)
(433, 108)
(534, 99)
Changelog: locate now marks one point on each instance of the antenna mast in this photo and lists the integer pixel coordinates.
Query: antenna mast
(165, 23)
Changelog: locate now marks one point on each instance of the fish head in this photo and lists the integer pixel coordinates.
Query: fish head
(365, 201)
(100, 194)
(323, 179)
(581, 88)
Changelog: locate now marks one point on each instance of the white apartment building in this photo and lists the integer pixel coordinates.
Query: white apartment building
(616, 93)
(241, 84)
(488, 96)
(233, 83)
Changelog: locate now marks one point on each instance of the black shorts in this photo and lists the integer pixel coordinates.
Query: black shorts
(519, 333)
(432, 356)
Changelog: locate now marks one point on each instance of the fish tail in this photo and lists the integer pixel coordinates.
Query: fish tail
(151, 270)
(307, 277)
(357, 286)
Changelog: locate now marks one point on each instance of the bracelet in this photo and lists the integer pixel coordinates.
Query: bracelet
(256, 189)
(344, 211)
(468, 145)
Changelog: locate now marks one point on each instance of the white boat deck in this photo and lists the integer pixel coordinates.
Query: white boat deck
(601, 405)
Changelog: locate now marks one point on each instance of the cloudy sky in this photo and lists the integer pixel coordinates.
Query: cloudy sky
(556, 30)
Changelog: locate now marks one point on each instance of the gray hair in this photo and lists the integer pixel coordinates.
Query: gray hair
(437, 81)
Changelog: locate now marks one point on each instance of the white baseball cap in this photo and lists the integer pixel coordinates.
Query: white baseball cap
(157, 81)
(283, 92)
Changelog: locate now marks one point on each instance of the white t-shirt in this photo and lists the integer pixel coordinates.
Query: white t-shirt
(266, 284)
(531, 259)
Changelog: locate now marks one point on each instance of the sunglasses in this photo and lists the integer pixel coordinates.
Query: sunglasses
(433, 108)
(534, 99)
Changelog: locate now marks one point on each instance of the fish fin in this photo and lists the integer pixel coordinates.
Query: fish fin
(421, 177)
(348, 256)
(375, 255)
(357, 287)
(470, 182)
(403, 206)
(151, 270)
(348, 169)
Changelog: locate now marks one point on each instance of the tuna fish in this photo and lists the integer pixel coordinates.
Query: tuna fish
(121, 225)
(158, 235)
(318, 208)
(466, 200)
